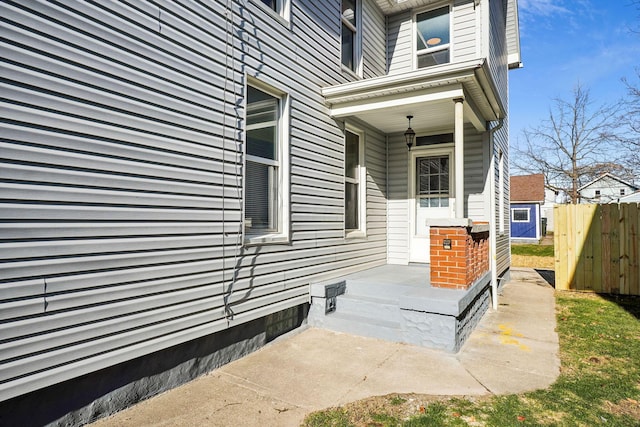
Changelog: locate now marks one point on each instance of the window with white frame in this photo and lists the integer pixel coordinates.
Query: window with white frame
(350, 37)
(432, 37)
(520, 214)
(432, 181)
(354, 182)
(266, 182)
(622, 191)
(281, 7)
(597, 195)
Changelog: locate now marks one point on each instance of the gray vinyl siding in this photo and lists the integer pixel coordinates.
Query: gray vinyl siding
(398, 169)
(121, 193)
(464, 30)
(398, 204)
(499, 72)
(373, 40)
(465, 39)
(400, 43)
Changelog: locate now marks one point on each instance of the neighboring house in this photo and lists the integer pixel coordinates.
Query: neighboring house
(629, 198)
(551, 197)
(527, 196)
(181, 177)
(605, 188)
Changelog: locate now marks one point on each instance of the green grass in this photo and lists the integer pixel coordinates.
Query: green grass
(599, 382)
(532, 250)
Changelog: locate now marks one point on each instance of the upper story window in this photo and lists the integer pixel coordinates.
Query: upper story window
(281, 7)
(350, 19)
(597, 194)
(622, 191)
(266, 182)
(432, 38)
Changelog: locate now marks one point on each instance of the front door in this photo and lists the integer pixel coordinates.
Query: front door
(430, 190)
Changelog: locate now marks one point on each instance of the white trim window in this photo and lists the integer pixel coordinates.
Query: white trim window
(520, 214)
(433, 181)
(266, 186)
(350, 35)
(433, 37)
(281, 7)
(354, 183)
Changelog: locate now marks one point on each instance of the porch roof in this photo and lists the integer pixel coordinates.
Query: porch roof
(427, 94)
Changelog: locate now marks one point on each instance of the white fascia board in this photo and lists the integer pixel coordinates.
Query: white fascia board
(426, 77)
(472, 112)
(490, 91)
(396, 100)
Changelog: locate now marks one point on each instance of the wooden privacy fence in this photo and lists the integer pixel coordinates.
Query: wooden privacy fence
(596, 248)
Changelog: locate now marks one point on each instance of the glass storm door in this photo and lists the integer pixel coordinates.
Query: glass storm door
(430, 198)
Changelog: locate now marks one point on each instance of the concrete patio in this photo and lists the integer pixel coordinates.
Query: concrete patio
(514, 349)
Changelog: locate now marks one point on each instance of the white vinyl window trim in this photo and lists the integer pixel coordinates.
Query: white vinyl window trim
(501, 195)
(519, 212)
(361, 181)
(356, 29)
(279, 167)
(281, 9)
(439, 47)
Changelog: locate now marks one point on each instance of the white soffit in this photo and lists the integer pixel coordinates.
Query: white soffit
(427, 94)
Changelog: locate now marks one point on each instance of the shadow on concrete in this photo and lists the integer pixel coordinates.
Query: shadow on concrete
(548, 275)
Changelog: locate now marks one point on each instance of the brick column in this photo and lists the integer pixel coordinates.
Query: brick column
(463, 264)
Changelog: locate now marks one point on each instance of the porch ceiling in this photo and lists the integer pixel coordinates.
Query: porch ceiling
(395, 6)
(427, 94)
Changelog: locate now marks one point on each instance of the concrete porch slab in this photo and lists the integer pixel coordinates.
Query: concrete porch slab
(315, 369)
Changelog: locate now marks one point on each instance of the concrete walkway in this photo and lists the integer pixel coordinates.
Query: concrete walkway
(514, 349)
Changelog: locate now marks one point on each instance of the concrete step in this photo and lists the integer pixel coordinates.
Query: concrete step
(363, 326)
(369, 307)
(383, 291)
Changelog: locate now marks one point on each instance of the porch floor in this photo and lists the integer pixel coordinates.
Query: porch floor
(411, 287)
(397, 303)
(407, 275)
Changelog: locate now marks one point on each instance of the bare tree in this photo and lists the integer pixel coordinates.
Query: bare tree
(631, 114)
(631, 120)
(567, 145)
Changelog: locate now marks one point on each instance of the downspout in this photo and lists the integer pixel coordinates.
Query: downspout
(492, 219)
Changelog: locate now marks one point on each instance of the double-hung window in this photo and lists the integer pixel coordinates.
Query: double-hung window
(266, 182)
(350, 19)
(432, 38)
(354, 184)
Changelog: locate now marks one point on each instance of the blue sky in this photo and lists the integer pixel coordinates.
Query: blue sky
(564, 42)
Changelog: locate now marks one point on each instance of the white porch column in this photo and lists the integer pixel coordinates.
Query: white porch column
(458, 133)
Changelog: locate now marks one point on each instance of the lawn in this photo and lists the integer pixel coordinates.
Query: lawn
(599, 383)
(532, 250)
(532, 256)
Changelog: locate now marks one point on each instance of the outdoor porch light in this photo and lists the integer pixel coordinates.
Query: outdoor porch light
(409, 134)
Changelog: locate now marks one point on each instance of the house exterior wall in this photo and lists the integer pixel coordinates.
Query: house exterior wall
(609, 189)
(479, 153)
(546, 210)
(497, 56)
(465, 31)
(398, 203)
(122, 167)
